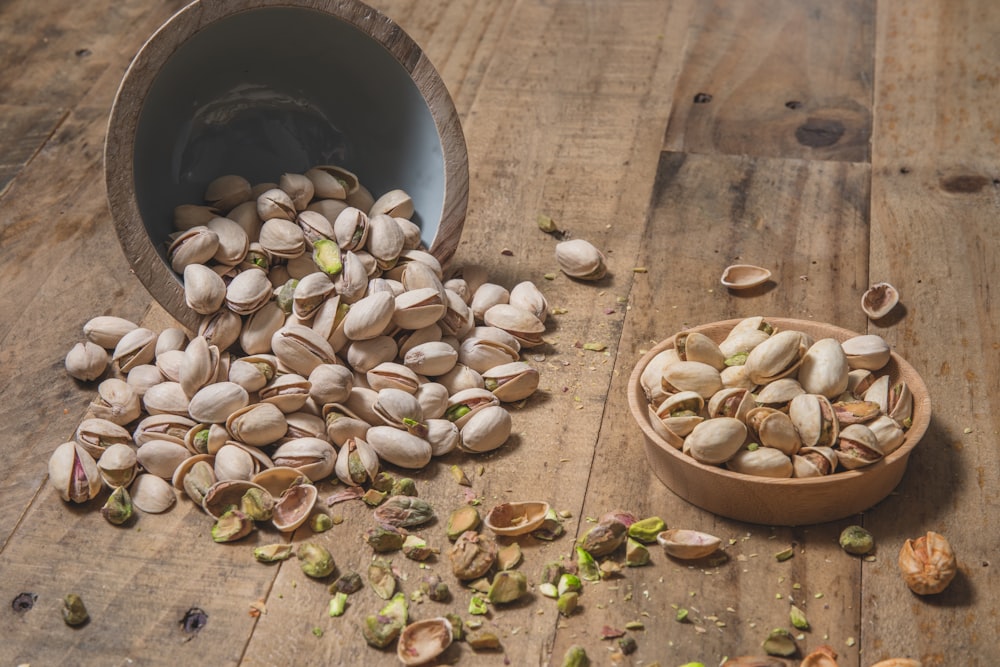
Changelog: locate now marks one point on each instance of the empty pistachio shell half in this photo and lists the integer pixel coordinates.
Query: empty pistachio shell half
(879, 299)
(744, 276)
(516, 518)
(688, 544)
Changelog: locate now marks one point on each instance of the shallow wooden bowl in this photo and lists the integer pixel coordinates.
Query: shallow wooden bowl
(779, 502)
(262, 87)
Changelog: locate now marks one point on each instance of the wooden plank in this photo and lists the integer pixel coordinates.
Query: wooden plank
(777, 78)
(23, 129)
(807, 221)
(533, 138)
(933, 236)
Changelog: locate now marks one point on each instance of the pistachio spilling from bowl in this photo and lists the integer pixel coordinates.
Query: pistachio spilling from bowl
(331, 343)
(777, 403)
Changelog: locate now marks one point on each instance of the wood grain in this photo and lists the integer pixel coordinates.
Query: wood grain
(706, 212)
(934, 203)
(768, 78)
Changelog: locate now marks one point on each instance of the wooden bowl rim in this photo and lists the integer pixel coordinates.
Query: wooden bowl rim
(155, 274)
(921, 418)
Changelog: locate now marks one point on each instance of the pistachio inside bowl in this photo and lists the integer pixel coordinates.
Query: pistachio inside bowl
(257, 89)
(783, 501)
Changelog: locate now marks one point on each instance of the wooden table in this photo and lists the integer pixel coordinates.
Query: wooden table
(839, 144)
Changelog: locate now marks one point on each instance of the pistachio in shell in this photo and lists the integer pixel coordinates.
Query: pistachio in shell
(472, 555)
(688, 544)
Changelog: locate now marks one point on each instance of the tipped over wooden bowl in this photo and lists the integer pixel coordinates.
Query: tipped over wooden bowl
(257, 88)
(785, 501)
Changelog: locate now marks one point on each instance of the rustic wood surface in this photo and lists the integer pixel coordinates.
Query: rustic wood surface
(839, 144)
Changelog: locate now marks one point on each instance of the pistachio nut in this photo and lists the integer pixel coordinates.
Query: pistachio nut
(578, 258)
(141, 378)
(187, 216)
(715, 441)
(74, 473)
(486, 429)
(418, 308)
(135, 348)
(399, 447)
(97, 435)
(275, 203)
(526, 296)
(869, 351)
(248, 292)
(521, 324)
(233, 241)
(364, 355)
(777, 357)
(433, 358)
(301, 349)
(226, 192)
(472, 555)
(86, 361)
(762, 462)
(313, 457)
(824, 369)
(394, 203)
(107, 330)
(196, 245)
(221, 329)
(166, 398)
(332, 182)
(116, 402)
(356, 463)
(369, 317)
(118, 465)
(857, 446)
(695, 346)
(692, 376)
(152, 494)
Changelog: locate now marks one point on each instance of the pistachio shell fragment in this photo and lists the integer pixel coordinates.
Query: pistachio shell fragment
(878, 300)
(516, 518)
(422, 641)
(744, 276)
(688, 544)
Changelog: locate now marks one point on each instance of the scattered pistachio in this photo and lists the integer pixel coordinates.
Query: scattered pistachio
(383, 628)
(326, 255)
(509, 556)
(435, 589)
(604, 538)
(647, 529)
(576, 656)
(383, 482)
(404, 512)
(317, 631)
(415, 548)
(779, 642)
(480, 641)
(549, 276)
(784, 554)
(567, 602)
(338, 603)
(463, 519)
(457, 626)
(459, 476)
(587, 565)
(610, 569)
(384, 539)
(349, 582)
(231, 526)
(381, 578)
(257, 504)
(682, 615)
(639, 269)
(627, 645)
(595, 347)
(551, 527)
(636, 553)
(74, 612)
(798, 618)
(547, 224)
(635, 625)
(753, 446)
(404, 487)
(374, 498)
(320, 522)
(315, 560)
(477, 606)
(508, 586)
(118, 508)
(856, 540)
(548, 590)
(552, 571)
(272, 553)
(569, 582)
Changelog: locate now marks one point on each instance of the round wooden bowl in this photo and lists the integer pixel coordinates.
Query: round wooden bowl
(779, 502)
(262, 87)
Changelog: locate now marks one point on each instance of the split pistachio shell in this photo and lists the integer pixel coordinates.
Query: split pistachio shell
(278, 479)
(385, 240)
(275, 203)
(342, 424)
(187, 216)
(356, 463)
(234, 462)
(163, 427)
(857, 446)
(301, 349)
(779, 394)
(248, 292)
(692, 376)
(688, 544)
(293, 507)
(681, 412)
(516, 518)
(195, 476)
(222, 329)
(332, 182)
(107, 330)
(166, 398)
(298, 187)
(695, 346)
(135, 348)
(814, 462)
(141, 378)
(394, 203)
(225, 494)
(824, 369)
(395, 406)
(228, 191)
(418, 308)
(257, 424)
(486, 430)
(434, 358)
(579, 259)
(200, 365)
(313, 457)
(774, 429)
(813, 418)
(762, 462)
(443, 436)
(511, 382)
(74, 473)
(116, 402)
(888, 433)
(161, 457)
(399, 447)
(462, 405)
(869, 351)
(86, 361)
(233, 241)
(389, 375)
(255, 336)
(526, 296)
(96, 435)
(330, 383)
(487, 296)
(152, 494)
(731, 402)
(715, 440)
(352, 281)
(196, 245)
(214, 403)
(422, 641)
(253, 372)
(433, 399)
(878, 300)
(744, 276)
(521, 324)
(778, 356)
(310, 293)
(370, 316)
